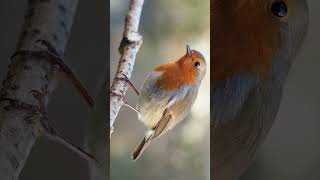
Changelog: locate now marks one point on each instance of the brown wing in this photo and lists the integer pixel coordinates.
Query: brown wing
(162, 126)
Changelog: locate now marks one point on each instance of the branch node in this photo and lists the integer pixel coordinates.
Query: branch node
(56, 61)
(127, 80)
(133, 39)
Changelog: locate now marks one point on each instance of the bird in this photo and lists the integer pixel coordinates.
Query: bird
(253, 45)
(168, 94)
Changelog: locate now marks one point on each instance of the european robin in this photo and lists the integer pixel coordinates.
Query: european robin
(168, 94)
(253, 45)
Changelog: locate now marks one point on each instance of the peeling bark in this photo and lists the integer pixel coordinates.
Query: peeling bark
(128, 49)
(46, 31)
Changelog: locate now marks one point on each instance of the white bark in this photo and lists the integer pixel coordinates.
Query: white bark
(46, 29)
(128, 49)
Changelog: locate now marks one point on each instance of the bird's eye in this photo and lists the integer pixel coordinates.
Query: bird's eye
(279, 9)
(197, 64)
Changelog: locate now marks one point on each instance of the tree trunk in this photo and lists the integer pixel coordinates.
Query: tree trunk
(31, 79)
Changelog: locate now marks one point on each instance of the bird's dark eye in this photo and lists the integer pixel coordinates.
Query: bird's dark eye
(279, 9)
(197, 64)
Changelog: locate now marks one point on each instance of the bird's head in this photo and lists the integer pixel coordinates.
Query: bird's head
(249, 35)
(187, 70)
(194, 62)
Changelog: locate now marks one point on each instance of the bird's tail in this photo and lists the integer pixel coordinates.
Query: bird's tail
(140, 148)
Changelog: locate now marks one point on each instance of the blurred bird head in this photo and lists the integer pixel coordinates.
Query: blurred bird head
(251, 35)
(253, 44)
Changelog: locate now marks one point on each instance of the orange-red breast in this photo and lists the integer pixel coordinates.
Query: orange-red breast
(253, 44)
(167, 95)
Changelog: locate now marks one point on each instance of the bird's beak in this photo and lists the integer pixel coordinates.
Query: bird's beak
(189, 52)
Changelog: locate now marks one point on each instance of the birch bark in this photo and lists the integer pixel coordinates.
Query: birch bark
(45, 33)
(96, 143)
(128, 49)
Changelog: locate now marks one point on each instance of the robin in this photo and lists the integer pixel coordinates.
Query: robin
(253, 45)
(167, 95)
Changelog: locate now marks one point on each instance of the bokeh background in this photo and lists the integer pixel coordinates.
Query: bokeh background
(182, 154)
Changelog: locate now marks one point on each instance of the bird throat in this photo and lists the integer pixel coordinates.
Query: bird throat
(244, 38)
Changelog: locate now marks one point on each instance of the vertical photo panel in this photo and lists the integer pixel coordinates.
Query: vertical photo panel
(54, 72)
(160, 90)
(264, 89)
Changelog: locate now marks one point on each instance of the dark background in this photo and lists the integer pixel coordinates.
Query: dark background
(87, 54)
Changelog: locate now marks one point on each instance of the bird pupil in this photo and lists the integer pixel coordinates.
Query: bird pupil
(196, 64)
(279, 9)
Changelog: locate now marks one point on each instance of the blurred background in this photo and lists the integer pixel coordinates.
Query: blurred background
(292, 148)
(182, 154)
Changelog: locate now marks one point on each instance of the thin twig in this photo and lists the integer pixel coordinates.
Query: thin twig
(128, 49)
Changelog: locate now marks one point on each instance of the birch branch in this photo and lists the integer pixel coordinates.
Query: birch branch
(30, 81)
(128, 49)
(95, 140)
